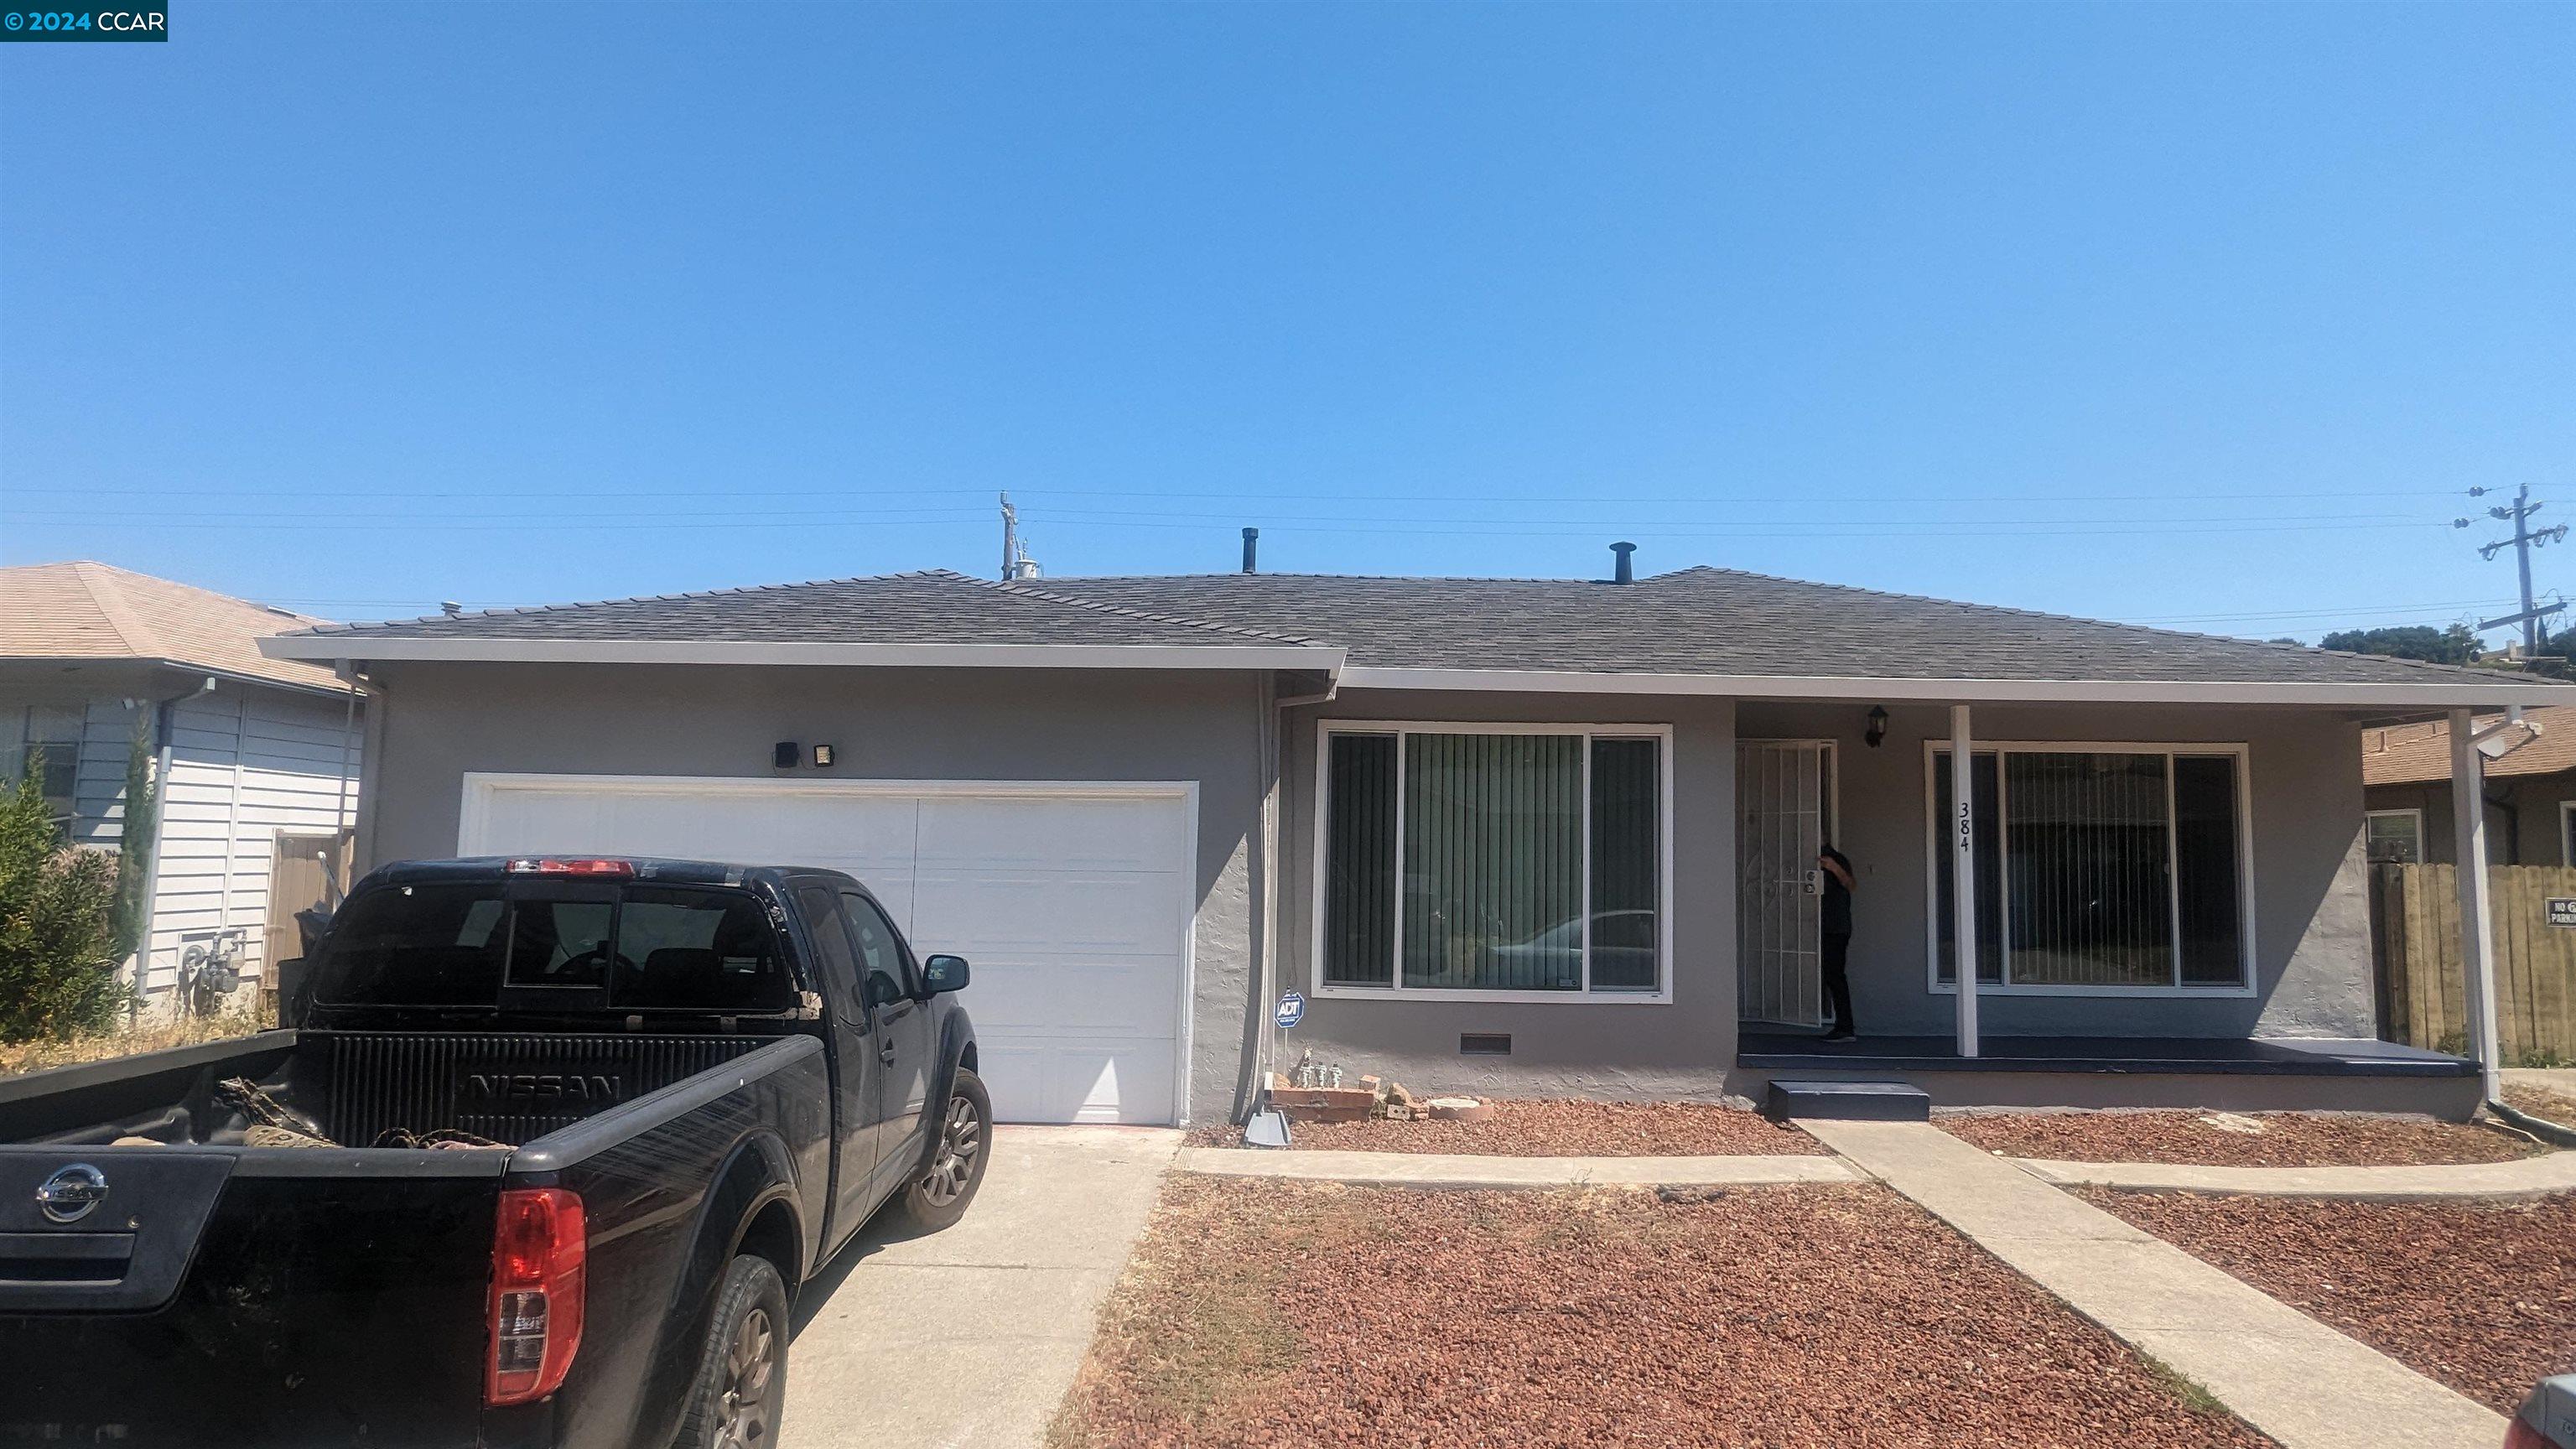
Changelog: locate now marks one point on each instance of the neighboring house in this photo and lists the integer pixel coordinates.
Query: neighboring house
(102, 670)
(1532, 836)
(2531, 792)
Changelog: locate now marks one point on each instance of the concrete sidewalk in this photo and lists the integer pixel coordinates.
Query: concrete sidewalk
(2288, 1375)
(1428, 1169)
(2553, 1172)
(972, 1336)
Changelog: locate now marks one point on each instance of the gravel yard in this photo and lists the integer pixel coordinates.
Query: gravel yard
(2287, 1139)
(2543, 1103)
(1543, 1128)
(2481, 1296)
(1263, 1313)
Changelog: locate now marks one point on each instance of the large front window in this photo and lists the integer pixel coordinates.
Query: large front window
(1461, 858)
(2100, 867)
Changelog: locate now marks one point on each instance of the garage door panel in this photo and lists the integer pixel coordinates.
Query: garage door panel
(1070, 994)
(1024, 912)
(1051, 834)
(1074, 908)
(1116, 1080)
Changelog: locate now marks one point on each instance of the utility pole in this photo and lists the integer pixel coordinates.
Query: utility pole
(2525, 538)
(1016, 563)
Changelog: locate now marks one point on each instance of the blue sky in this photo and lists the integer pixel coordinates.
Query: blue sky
(2165, 313)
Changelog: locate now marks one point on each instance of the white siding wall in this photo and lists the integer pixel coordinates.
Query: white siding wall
(244, 768)
(98, 791)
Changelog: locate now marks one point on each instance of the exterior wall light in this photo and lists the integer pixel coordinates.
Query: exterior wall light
(822, 757)
(1877, 733)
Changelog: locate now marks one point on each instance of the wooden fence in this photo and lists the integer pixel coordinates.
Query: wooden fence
(2415, 945)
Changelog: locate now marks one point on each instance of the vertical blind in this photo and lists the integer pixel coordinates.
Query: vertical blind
(1464, 861)
(2099, 868)
(1493, 858)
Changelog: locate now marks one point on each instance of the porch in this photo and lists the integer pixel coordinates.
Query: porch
(2238, 1074)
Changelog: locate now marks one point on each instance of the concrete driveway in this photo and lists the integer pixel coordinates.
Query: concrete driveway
(972, 1336)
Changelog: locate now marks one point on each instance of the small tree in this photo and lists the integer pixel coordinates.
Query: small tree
(58, 954)
(134, 846)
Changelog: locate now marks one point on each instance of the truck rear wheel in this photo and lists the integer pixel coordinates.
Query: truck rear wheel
(937, 1196)
(742, 1375)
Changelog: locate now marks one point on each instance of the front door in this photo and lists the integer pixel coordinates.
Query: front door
(1784, 801)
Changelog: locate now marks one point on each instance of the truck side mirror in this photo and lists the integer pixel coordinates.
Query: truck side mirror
(943, 973)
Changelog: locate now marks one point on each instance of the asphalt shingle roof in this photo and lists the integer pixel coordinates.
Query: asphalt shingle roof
(89, 610)
(1697, 621)
(933, 607)
(1724, 622)
(2416, 754)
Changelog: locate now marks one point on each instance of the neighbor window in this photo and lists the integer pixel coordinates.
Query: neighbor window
(49, 749)
(2397, 836)
(1492, 859)
(2099, 867)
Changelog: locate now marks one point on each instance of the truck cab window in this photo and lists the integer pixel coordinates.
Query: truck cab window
(697, 948)
(832, 943)
(560, 943)
(880, 954)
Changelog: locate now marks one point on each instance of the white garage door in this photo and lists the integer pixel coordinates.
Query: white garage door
(1072, 901)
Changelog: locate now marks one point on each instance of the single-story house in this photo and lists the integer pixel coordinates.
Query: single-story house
(108, 677)
(2530, 792)
(1518, 835)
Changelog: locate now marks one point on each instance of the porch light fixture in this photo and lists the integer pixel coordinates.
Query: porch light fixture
(822, 757)
(1877, 734)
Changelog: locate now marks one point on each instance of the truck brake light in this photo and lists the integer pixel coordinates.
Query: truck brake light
(548, 865)
(539, 1244)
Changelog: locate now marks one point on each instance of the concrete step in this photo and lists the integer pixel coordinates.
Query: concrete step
(1849, 1101)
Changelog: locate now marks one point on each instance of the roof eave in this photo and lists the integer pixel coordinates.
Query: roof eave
(360, 644)
(2431, 694)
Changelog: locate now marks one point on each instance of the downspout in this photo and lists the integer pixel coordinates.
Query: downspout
(340, 823)
(162, 712)
(1270, 705)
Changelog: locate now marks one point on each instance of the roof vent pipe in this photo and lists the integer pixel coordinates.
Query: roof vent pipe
(1251, 550)
(1625, 572)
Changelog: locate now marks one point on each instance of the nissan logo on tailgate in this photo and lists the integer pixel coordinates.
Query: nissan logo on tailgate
(68, 1195)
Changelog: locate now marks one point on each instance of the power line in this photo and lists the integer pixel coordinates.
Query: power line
(339, 495)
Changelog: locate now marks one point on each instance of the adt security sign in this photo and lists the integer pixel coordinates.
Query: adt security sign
(1292, 1010)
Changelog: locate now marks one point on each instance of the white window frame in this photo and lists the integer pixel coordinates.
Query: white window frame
(1934, 753)
(1396, 990)
(2422, 846)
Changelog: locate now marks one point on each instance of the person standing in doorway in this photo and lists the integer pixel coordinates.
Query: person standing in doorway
(1837, 871)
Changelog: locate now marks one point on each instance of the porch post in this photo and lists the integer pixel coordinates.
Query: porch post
(1963, 876)
(2477, 926)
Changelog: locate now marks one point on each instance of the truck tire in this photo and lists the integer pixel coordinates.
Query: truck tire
(937, 1196)
(742, 1375)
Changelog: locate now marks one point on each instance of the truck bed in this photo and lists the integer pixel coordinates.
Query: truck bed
(231, 1294)
(357, 1088)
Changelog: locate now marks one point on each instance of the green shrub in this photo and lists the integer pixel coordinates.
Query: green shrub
(58, 956)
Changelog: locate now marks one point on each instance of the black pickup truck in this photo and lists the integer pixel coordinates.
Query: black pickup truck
(544, 1160)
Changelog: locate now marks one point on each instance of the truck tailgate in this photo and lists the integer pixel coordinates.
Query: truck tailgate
(226, 1297)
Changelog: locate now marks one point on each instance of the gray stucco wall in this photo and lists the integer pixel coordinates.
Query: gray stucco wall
(2522, 818)
(2310, 897)
(439, 721)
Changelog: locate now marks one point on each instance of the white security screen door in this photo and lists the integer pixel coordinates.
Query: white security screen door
(1073, 901)
(1782, 795)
